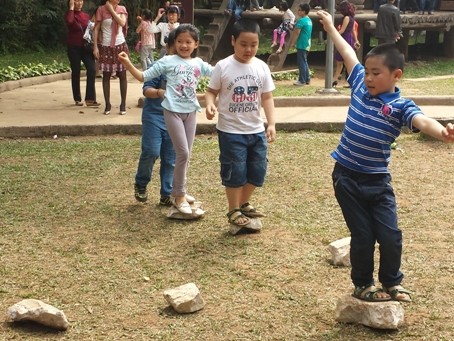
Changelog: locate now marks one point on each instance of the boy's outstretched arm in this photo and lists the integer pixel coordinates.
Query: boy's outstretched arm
(124, 59)
(345, 50)
(433, 128)
(268, 107)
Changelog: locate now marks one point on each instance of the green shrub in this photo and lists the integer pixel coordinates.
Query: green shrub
(32, 70)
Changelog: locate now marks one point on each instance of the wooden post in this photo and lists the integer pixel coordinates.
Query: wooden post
(448, 43)
(403, 42)
(432, 38)
(360, 52)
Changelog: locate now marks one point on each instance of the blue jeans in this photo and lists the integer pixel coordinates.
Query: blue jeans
(237, 10)
(369, 208)
(301, 59)
(243, 159)
(156, 143)
(426, 5)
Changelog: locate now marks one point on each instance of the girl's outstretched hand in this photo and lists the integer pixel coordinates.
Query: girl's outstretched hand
(123, 57)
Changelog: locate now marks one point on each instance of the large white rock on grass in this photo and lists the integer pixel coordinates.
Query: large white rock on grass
(340, 252)
(380, 315)
(185, 298)
(39, 312)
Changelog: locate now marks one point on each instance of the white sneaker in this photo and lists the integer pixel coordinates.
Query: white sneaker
(279, 50)
(274, 8)
(260, 8)
(183, 207)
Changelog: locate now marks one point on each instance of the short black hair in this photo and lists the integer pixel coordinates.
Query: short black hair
(173, 9)
(305, 7)
(245, 25)
(393, 58)
(170, 39)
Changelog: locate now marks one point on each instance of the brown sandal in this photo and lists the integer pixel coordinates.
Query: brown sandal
(250, 211)
(235, 215)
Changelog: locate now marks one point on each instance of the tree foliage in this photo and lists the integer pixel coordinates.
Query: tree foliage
(40, 25)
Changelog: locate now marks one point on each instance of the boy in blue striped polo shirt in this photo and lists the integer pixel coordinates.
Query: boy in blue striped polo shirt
(361, 177)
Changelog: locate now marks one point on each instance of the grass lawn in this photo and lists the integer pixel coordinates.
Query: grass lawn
(72, 235)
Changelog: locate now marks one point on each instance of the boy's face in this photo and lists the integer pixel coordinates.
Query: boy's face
(378, 78)
(245, 46)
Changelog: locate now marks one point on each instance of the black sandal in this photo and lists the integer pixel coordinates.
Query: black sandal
(369, 293)
(250, 211)
(235, 215)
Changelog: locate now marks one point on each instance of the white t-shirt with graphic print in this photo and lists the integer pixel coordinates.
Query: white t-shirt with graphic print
(240, 88)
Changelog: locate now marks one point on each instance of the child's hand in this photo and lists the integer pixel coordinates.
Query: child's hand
(448, 133)
(139, 18)
(161, 12)
(123, 57)
(325, 19)
(211, 111)
(271, 133)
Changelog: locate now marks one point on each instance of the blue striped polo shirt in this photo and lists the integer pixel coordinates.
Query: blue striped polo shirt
(373, 123)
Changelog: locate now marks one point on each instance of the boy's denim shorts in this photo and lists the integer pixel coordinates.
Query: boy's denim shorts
(243, 159)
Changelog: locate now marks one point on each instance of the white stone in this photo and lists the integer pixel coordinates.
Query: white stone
(197, 212)
(380, 315)
(254, 226)
(185, 298)
(340, 252)
(39, 312)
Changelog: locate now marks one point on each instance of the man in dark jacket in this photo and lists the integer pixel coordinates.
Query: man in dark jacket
(388, 23)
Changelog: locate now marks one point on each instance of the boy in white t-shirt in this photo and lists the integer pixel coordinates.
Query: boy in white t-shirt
(244, 84)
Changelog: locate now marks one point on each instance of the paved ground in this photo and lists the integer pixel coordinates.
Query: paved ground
(43, 107)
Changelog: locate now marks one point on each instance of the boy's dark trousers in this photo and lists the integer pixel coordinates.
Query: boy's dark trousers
(369, 208)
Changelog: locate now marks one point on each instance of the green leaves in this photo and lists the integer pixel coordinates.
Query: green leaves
(31, 70)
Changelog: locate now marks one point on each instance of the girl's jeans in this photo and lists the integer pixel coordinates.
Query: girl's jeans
(156, 143)
(369, 208)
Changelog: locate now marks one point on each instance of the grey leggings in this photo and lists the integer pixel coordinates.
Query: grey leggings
(181, 128)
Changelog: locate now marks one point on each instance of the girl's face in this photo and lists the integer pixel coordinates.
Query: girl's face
(172, 18)
(185, 45)
(78, 5)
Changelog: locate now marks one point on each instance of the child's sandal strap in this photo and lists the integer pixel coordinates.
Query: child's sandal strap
(235, 215)
(250, 211)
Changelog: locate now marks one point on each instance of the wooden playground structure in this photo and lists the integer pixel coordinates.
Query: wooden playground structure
(215, 43)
